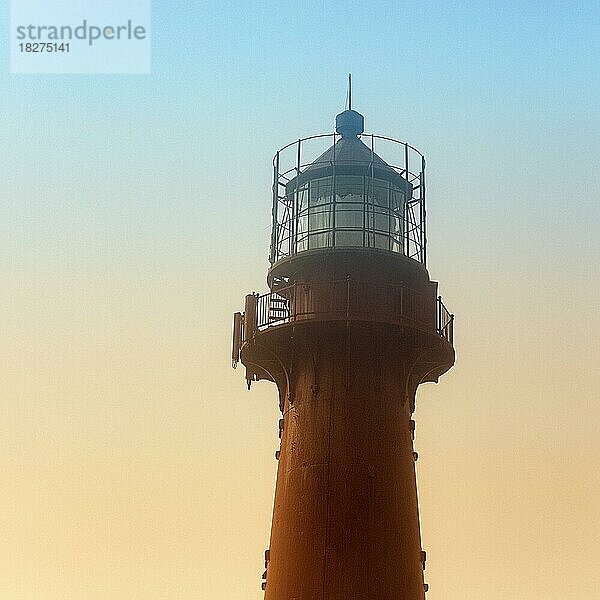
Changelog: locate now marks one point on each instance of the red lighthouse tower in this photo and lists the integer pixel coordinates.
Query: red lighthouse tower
(351, 326)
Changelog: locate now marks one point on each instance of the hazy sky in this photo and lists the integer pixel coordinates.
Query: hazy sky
(135, 215)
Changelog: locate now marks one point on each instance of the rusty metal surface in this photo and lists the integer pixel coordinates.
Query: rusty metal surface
(345, 520)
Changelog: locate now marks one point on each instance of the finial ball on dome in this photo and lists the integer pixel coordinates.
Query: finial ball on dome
(349, 123)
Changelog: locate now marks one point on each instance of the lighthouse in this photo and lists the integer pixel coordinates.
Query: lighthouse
(351, 325)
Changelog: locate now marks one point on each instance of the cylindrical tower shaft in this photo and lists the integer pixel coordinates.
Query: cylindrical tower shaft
(345, 521)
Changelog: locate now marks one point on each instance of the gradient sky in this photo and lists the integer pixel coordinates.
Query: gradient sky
(135, 215)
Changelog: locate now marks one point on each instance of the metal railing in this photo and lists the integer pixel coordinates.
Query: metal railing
(357, 301)
(445, 322)
(289, 165)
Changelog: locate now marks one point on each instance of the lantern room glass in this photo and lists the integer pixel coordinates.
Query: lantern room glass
(348, 211)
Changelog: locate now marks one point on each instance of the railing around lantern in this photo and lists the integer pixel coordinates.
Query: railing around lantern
(353, 300)
(404, 229)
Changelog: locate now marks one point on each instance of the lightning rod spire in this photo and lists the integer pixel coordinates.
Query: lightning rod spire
(349, 91)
